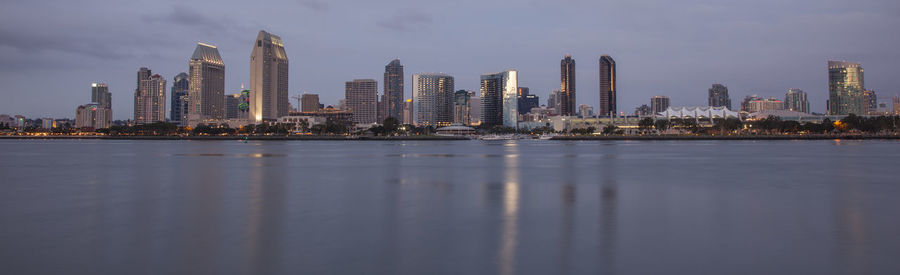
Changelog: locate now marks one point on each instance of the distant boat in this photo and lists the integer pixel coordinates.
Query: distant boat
(546, 136)
(499, 137)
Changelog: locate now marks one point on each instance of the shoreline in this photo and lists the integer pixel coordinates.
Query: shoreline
(445, 138)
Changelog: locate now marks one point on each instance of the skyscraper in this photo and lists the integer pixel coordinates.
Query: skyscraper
(393, 89)
(607, 86)
(659, 104)
(206, 97)
(100, 95)
(567, 86)
(433, 99)
(499, 102)
(745, 104)
(179, 108)
(309, 103)
(461, 109)
(553, 101)
(896, 103)
(361, 97)
(795, 100)
(268, 79)
(231, 105)
(527, 100)
(718, 96)
(150, 98)
(871, 101)
(845, 88)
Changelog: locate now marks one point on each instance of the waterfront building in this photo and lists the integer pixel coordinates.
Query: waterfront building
(795, 100)
(527, 100)
(764, 104)
(499, 99)
(268, 79)
(846, 88)
(607, 86)
(462, 110)
(309, 103)
(179, 98)
(48, 123)
(206, 97)
(718, 96)
(433, 99)
(361, 99)
(92, 116)
(393, 89)
(566, 99)
(699, 112)
(149, 98)
(659, 103)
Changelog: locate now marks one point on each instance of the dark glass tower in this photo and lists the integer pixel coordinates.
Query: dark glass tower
(393, 89)
(607, 86)
(567, 86)
(718, 96)
(180, 88)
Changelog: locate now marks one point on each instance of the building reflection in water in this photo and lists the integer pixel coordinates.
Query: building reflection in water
(264, 220)
(511, 200)
(850, 223)
(608, 202)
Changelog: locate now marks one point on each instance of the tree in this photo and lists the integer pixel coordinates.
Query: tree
(645, 123)
(610, 129)
(661, 125)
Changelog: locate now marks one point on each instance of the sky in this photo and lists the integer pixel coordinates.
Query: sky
(51, 50)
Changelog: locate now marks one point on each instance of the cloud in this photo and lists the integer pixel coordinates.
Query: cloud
(406, 20)
(188, 17)
(317, 5)
(31, 42)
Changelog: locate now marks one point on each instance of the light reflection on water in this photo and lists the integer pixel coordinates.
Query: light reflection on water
(461, 207)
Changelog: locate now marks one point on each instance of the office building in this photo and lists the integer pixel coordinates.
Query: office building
(607, 86)
(846, 88)
(237, 106)
(566, 100)
(659, 104)
(871, 101)
(499, 102)
(206, 97)
(361, 99)
(179, 98)
(764, 104)
(393, 89)
(408, 115)
(433, 95)
(92, 116)
(149, 98)
(745, 104)
(718, 96)
(268, 79)
(462, 108)
(100, 94)
(527, 100)
(795, 100)
(309, 103)
(553, 101)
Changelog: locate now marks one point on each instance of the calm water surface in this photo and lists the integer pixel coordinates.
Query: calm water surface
(449, 207)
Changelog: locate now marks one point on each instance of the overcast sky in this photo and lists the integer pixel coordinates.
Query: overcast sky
(51, 50)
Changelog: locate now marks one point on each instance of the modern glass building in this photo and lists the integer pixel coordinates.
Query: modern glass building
(659, 104)
(150, 98)
(361, 98)
(206, 97)
(179, 98)
(433, 98)
(499, 99)
(607, 87)
(795, 100)
(268, 79)
(527, 100)
(393, 90)
(718, 96)
(846, 88)
(567, 86)
(100, 95)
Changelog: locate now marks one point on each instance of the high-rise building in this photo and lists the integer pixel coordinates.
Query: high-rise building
(607, 86)
(179, 108)
(361, 97)
(206, 97)
(461, 109)
(150, 98)
(896, 105)
(659, 104)
(100, 94)
(845, 88)
(527, 100)
(764, 104)
(795, 100)
(745, 104)
(718, 96)
(268, 79)
(433, 99)
(566, 100)
(92, 116)
(553, 101)
(499, 102)
(233, 104)
(393, 89)
(871, 101)
(309, 103)
(643, 110)
(408, 116)
(474, 108)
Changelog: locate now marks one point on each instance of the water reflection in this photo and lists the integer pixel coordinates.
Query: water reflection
(509, 234)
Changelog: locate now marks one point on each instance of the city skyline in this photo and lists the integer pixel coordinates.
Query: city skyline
(682, 69)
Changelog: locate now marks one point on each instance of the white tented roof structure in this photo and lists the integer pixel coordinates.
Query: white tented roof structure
(699, 112)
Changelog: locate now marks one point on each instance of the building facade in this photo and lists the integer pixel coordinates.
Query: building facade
(553, 101)
(150, 98)
(845, 88)
(361, 98)
(92, 117)
(765, 104)
(433, 98)
(527, 100)
(499, 99)
(871, 101)
(718, 96)
(566, 100)
(462, 110)
(268, 79)
(585, 110)
(607, 86)
(309, 103)
(393, 89)
(179, 99)
(795, 101)
(659, 104)
(206, 97)
(103, 98)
